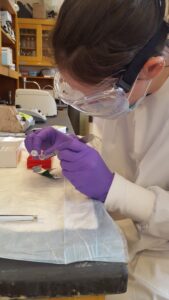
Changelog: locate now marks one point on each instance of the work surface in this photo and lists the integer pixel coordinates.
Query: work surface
(19, 278)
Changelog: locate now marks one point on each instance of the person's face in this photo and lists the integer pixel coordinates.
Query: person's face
(107, 99)
(151, 69)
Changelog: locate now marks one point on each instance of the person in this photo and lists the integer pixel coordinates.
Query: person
(113, 63)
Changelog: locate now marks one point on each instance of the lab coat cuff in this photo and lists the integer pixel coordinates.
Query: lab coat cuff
(130, 199)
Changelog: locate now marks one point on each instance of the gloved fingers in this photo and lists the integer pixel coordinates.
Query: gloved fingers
(34, 131)
(37, 144)
(34, 140)
(50, 150)
(62, 141)
(46, 137)
(29, 142)
(71, 156)
(67, 174)
(74, 136)
(50, 140)
(63, 137)
(73, 166)
(55, 147)
(49, 133)
(73, 144)
(66, 145)
(45, 133)
(77, 183)
(81, 161)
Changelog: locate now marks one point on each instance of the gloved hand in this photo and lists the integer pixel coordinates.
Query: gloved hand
(81, 164)
(47, 139)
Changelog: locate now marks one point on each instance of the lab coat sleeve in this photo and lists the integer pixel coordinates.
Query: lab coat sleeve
(148, 207)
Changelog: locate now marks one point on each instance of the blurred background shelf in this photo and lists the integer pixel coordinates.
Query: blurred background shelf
(7, 40)
(9, 78)
(13, 74)
(5, 71)
(34, 42)
(7, 5)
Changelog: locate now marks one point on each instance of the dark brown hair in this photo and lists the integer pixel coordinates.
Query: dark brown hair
(93, 39)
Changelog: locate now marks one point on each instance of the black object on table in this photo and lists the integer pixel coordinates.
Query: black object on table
(30, 279)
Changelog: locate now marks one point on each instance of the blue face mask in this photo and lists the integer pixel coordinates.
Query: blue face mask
(141, 99)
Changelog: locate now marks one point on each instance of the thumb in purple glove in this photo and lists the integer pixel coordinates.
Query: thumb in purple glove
(85, 169)
(47, 140)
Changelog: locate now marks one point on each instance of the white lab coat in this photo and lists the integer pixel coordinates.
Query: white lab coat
(136, 148)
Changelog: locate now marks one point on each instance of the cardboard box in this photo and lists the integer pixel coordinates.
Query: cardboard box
(9, 155)
(39, 11)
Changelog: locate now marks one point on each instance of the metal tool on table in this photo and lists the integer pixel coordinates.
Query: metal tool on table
(18, 218)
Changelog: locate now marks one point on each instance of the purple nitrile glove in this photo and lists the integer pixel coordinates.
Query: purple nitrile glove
(46, 139)
(81, 164)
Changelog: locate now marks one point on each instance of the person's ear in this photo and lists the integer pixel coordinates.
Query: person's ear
(152, 68)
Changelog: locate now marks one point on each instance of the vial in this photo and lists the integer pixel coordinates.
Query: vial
(34, 153)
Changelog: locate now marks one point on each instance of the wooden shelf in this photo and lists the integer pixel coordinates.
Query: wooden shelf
(13, 74)
(27, 48)
(7, 5)
(48, 22)
(28, 34)
(37, 77)
(5, 71)
(36, 63)
(6, 39)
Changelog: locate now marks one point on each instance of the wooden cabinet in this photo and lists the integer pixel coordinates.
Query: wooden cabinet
(8, 77)
(34, 41)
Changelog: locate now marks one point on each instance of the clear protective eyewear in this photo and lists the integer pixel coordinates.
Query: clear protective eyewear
(111, 101)
(104, 102)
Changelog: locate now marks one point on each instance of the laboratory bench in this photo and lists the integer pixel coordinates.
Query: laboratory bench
(33, 279)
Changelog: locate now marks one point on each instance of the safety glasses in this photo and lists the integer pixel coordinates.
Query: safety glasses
(104, 101)
(110, 100)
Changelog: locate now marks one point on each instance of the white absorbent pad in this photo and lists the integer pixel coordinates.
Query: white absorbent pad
(70, 227)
